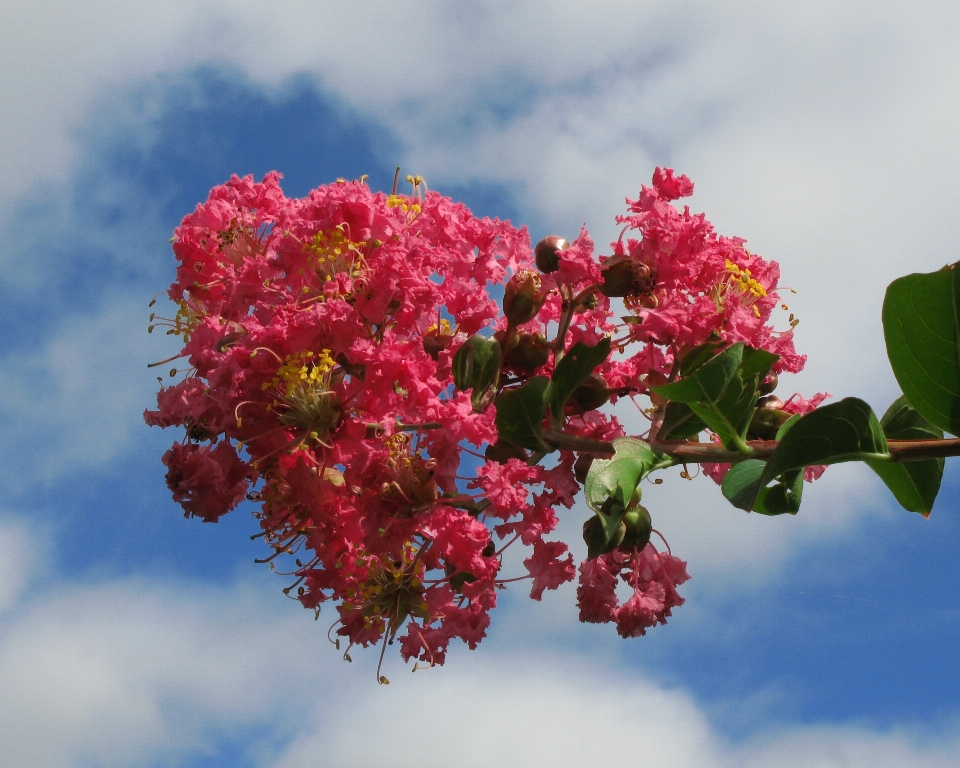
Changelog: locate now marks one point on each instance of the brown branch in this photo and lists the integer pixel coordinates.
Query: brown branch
(915, 450)
(696, 453)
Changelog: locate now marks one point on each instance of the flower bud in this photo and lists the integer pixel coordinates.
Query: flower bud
(625, 276)
(638, 528)
(596, 540)
(582, 466)
(522, 298)
(434, 342)
(502, 451)
(768, 384)
(767, 419)
(590, 302)
(547, 253)
(532, 352)
(590, 395)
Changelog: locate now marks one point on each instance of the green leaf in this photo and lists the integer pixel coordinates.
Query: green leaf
(741, 484)
(612, 485)
(520, 414)
(573, 369)
(632, 460)
(786, 426)
(708, 382)
(921, 329)
(476, 366)
(720, 394)
(680, 422)
(843, 431)
(698, 356)
(757, 362)
(782, 498)
(915, 484)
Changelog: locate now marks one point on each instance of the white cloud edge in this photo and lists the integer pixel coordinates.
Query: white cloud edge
(135, 671)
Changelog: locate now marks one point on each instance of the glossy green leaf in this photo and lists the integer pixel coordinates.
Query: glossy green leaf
(633, 460)
(476, 366)
(520, 414)
(573, 369)
(741, 484)
(921, 329)
(708, 382)
(915, 484)
(720, 394)
(680, 422)
(698, 356)
(613, 485)
(844, 431)
(782, 498)
(787, 425)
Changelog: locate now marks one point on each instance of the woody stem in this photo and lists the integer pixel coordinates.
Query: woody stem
(696, 453)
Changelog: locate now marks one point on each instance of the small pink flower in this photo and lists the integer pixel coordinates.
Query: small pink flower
(546, 567)
(207, 482)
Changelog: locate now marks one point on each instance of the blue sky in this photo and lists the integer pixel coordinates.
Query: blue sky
(823, 134)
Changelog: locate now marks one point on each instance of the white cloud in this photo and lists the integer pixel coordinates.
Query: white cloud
(74, 403)
(563, 711)
(126, 672)
(19, 559)
(141, 672)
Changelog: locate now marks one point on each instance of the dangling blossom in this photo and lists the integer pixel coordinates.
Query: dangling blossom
(653, 576)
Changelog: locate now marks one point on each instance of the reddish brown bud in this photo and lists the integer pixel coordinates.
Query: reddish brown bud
(768, 385)
(434, 343)
(501, 452)
(590, 395)
(625, 276)
(547, 253)
(582, 466)
(767, 419)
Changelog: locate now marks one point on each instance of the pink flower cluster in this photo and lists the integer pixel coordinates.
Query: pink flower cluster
(707, 286)
(320, 334)
(653, 577)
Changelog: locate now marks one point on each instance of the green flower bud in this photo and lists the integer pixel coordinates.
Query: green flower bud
(588, 303)
(522, 298)
(638, 527)
(595, 539)
(532, 352)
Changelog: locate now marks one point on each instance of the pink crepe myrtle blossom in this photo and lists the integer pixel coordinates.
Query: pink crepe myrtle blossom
(653, 576)
(319, 337)
(705, 286)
